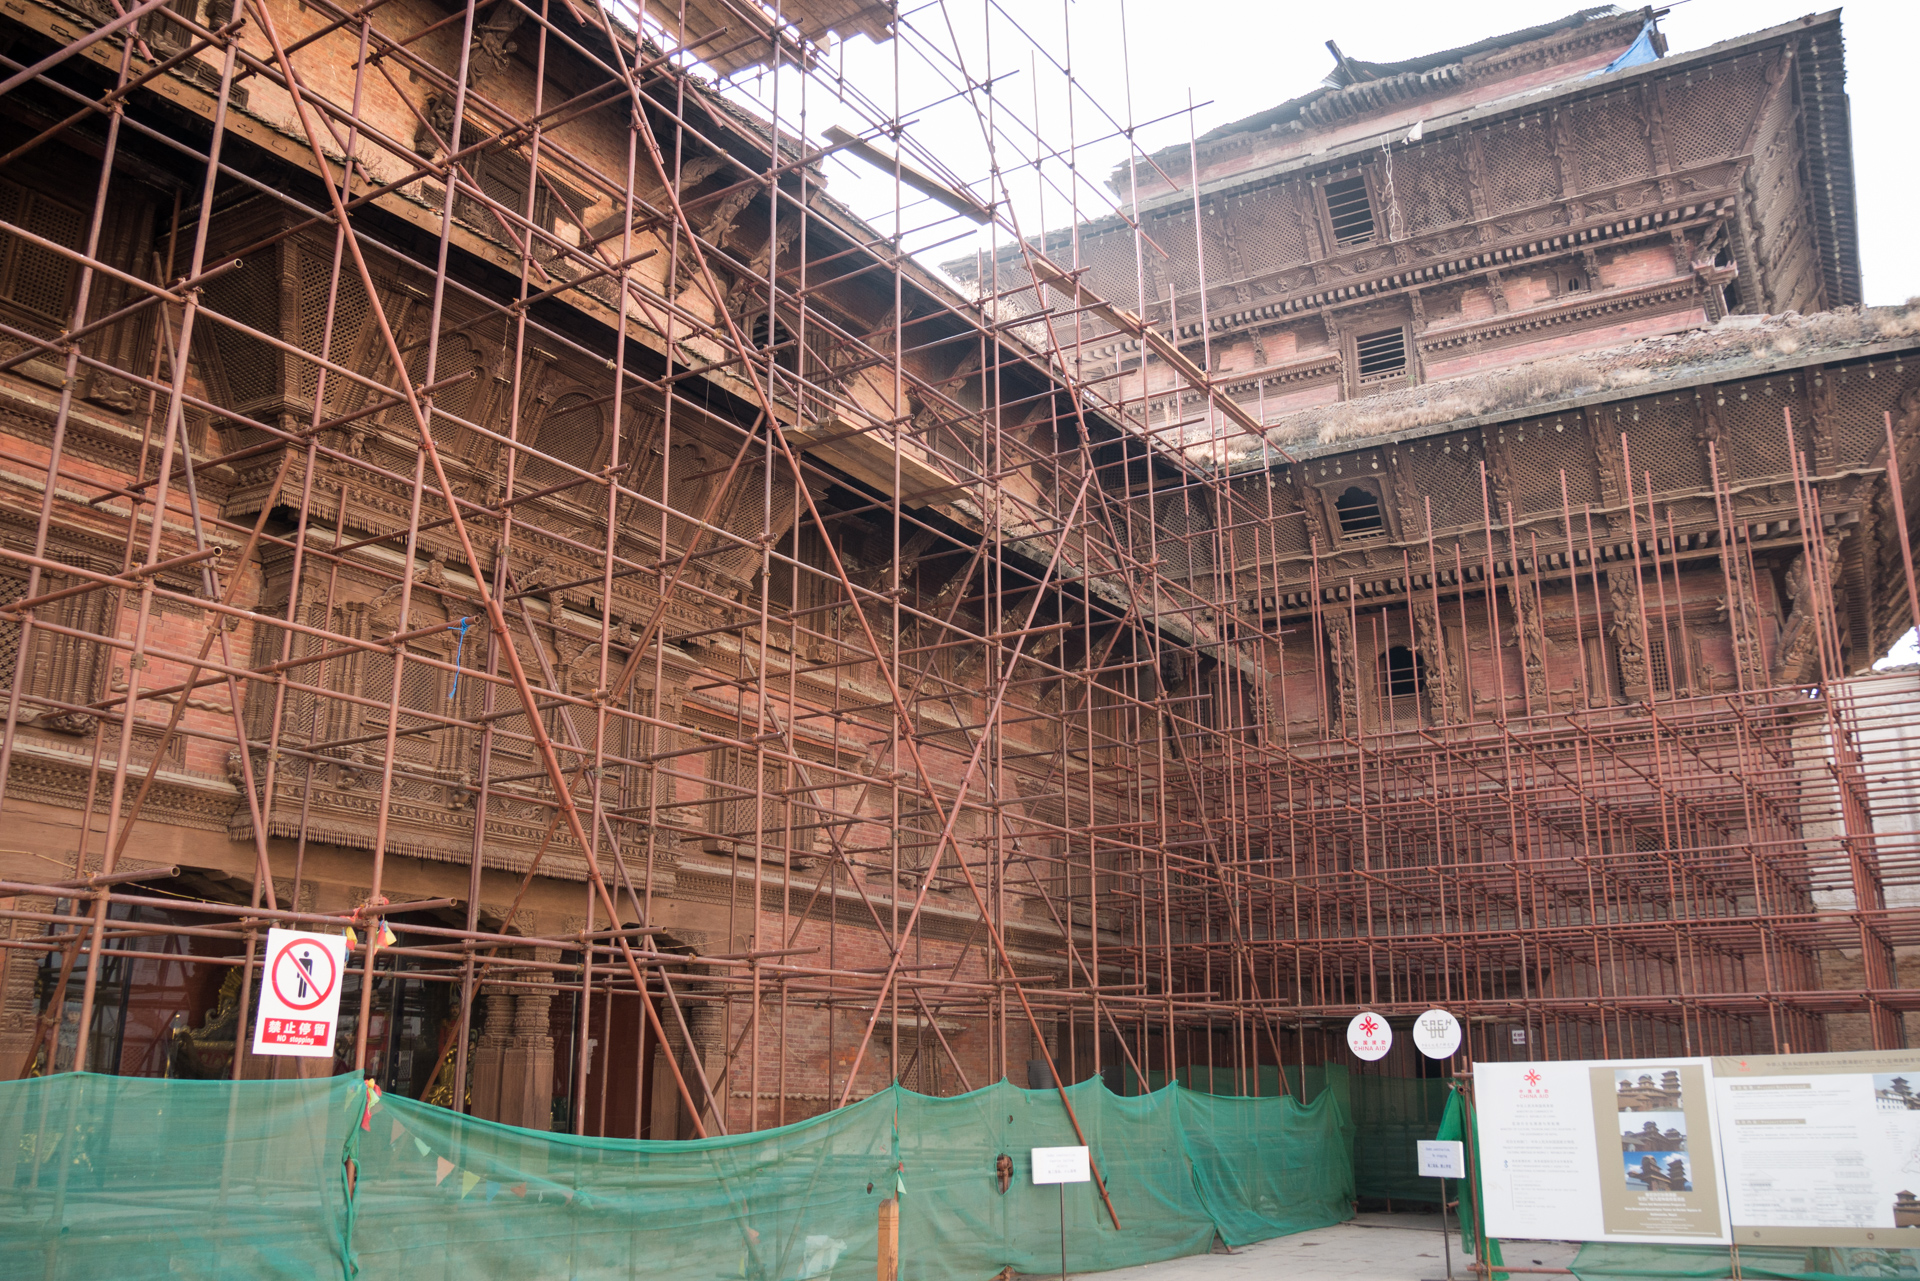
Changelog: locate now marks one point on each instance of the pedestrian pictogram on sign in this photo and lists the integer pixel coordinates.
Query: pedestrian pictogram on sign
(300, 997)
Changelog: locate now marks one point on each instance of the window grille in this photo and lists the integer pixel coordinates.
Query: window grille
(1382, 354)
(1657, 674)
(1351, 211)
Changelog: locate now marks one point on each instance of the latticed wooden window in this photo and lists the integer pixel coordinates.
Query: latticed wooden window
(1657, 671)
(462, 400)
(61, 668)
(350, 312)
(13, 585)
(733, 814)
(33, 277)
(420, 690)
(570, 433)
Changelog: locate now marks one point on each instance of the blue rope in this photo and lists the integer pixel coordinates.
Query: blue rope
(458, 651)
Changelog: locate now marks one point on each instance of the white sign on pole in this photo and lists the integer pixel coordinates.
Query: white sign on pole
(1442, 1158)
(1061, 1165)
(300, 994)
(1436, 1034)
(1368, 1036)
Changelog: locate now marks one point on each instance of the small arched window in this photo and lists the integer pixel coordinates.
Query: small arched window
(1404, 675)
(1576, 282)
(1359, 512)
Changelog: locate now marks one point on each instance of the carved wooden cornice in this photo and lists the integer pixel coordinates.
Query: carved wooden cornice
(1574, 309)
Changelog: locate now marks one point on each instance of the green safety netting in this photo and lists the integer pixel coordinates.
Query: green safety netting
(1453, 1125)
(137, 1178)
(1389, 1114)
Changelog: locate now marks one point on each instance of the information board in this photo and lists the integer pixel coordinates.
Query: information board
(1601, 1151)
(1822, 1149)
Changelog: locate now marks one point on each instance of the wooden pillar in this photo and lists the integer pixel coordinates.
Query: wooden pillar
(889, 1269)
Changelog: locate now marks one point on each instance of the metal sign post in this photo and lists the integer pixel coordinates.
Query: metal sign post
(1061, 1166)
(1443, 1159)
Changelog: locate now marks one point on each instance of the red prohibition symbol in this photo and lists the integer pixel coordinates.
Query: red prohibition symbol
(303, 973)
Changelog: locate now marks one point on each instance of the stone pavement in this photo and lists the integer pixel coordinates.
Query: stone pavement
(1372, 1247)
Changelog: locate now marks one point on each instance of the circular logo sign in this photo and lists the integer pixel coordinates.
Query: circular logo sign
(1368, 1036)
(1436, 1034)
(303, 974)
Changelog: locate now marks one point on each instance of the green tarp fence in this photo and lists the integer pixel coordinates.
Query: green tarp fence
(1390, 1114)
(134, 1178)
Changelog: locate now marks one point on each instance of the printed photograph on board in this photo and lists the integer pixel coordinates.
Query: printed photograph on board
(1657, 1172)
(1895, 1093)
(1647, 1090)
(1654, 1132)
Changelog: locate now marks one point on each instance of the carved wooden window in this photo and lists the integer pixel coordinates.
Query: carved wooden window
(1601, 686)
(169, 36)
(420, 691)
(502, 178)
(350, 313)
(462, 400)
(1382, 354)
(1730, 292)
(1359, 512)
(1657, 671)
(570, 433)
(1351, 210)
(1404, 674)
(32, 277)
(642, 742)
(1093, 720)
(13, 585)
(731, 813)
(61, 668)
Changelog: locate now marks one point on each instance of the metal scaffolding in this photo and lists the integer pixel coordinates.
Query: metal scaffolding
(1021, 589)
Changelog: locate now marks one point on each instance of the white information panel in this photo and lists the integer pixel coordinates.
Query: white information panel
(299, 1009)
(1821, 1149)
(1061, 1165)
(1601, 1151)
(1442, 1158)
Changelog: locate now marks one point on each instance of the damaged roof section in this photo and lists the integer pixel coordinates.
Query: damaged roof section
(1738, 346)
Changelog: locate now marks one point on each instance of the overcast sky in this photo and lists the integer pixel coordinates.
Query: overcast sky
(1140, 62)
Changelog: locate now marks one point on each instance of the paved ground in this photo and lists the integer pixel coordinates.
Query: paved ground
(1373, 1247)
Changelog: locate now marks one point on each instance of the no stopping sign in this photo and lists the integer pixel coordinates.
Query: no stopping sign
(300, 995)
